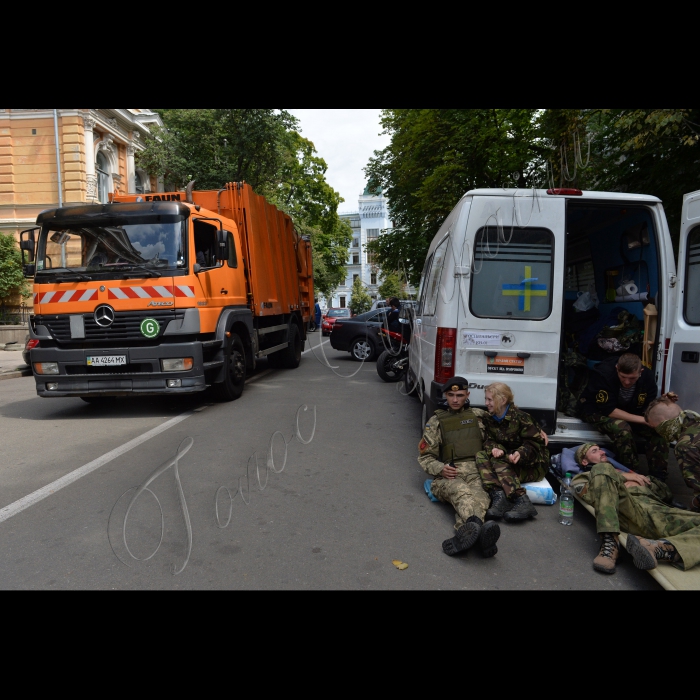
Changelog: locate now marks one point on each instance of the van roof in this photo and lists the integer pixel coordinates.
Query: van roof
(586, 194)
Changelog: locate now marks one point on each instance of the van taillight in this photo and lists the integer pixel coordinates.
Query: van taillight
(563, 190)
(444, 354)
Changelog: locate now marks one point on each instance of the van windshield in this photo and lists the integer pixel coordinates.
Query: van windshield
(513, 279)
(103, 252)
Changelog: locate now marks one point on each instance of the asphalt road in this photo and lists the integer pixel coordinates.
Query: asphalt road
(348, 500)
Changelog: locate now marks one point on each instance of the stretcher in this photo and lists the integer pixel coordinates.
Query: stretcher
(668, 576)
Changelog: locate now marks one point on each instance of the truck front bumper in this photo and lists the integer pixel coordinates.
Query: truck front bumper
(142, 373)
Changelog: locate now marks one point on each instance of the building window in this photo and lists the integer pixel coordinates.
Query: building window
(355, 258)
(342, 302)
(354, 277)
(138, 184)
(373, 278)
(355, 242)
(102, 170)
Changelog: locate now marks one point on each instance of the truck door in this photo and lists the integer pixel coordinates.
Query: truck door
(683, 365)
(510, 299)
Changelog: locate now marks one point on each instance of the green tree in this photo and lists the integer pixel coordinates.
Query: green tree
(262, 148)
(392, 286)
(360, 301)
(434, 157)
(12, 279)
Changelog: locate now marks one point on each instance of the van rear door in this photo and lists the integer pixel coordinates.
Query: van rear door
(683, 365)
(510, 299)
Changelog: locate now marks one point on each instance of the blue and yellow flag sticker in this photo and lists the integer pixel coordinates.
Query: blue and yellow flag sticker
(525, 290)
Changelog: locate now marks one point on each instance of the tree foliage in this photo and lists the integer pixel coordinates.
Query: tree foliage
(435, 156)
(263, 148)
(360, 301)
(12, 279)
(392, 286)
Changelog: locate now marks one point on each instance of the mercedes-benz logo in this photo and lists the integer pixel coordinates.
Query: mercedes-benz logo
(104, 315)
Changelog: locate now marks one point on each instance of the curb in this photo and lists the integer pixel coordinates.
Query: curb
(15, 374)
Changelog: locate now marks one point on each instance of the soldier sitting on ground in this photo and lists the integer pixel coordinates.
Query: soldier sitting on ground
(673, 423)
(640, 506)
(514, 453)
(614, 400)
(447, 450)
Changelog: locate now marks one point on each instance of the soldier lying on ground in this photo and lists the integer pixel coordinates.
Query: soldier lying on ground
(450, 442)
(614, 400)
(673, 423)
(514, 453)
(640, 506)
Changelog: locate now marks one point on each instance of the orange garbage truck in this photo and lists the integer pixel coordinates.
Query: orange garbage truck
(165, 293)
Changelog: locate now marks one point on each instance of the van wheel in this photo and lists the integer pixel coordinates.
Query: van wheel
(234, 371)
(291, 357)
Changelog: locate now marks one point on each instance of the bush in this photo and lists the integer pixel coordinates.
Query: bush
(11, 276)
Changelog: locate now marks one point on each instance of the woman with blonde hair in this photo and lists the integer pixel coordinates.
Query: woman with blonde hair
(514, 453)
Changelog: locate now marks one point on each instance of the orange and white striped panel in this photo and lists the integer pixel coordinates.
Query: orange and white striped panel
(60, 297)
(151, 292)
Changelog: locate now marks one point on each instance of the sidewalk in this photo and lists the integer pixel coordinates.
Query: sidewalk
(12, 365)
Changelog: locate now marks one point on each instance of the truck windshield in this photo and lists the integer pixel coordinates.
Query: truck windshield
(106, 251)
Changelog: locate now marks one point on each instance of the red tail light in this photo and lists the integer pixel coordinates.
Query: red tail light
(563, 190)
(337, 324)
(445, 354)
(32, 343)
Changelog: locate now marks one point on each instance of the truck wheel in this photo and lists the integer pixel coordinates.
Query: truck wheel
(234, 371)
(385, 367)
(291, 357)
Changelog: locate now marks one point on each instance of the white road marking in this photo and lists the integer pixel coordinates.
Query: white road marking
(39, 495)
(316, 346)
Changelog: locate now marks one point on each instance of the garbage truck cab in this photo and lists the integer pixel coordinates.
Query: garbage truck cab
(526, 286)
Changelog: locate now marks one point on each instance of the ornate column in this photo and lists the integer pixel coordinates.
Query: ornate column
(130, 167)
(88, 125)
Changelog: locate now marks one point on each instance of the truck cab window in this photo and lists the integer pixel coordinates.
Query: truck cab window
(205, 243)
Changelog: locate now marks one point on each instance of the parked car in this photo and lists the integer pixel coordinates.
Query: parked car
(359, 335)
(330, 318)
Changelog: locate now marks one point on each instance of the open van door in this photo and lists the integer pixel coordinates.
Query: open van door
(683, 365)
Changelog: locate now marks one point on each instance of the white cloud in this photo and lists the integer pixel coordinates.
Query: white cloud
(346, 140)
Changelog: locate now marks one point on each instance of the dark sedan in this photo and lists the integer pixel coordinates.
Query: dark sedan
(358, 335)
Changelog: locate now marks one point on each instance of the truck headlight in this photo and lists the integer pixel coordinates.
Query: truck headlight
(46, 367)
(177, 364)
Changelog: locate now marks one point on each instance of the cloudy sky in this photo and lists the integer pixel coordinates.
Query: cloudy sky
(346, 140)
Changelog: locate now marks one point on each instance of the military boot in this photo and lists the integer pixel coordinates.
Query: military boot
(609, 553)
(500, 505)
(466, 537)
(488, 537)
(522, 509)
(645, 553)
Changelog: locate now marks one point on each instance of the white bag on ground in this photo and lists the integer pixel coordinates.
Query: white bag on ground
(540, 492)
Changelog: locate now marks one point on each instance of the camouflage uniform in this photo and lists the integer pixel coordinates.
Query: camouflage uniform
(517, 432)
(644, 511)
(602, 396)
(688, 452)
(465, 491)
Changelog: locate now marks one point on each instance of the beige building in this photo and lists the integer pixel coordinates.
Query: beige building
(95, 154)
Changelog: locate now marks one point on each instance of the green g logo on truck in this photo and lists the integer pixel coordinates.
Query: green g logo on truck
(150, 327)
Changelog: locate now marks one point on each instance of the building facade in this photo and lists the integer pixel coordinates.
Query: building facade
(92, 157)
(367, 223)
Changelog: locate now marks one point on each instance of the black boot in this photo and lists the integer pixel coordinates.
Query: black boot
(500, 505)
(488, 537)
(466, 537)
(522, 509)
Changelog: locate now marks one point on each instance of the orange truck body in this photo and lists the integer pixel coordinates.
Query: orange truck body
(168, 306)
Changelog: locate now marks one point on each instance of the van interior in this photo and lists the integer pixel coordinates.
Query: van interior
(611, 291)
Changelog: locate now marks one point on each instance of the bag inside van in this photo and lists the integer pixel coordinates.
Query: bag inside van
(611, 291)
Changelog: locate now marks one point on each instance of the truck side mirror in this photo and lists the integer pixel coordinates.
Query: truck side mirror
(29, 270)
(222, 244)
(27, 246)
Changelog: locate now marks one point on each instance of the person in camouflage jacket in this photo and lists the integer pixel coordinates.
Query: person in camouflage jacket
(640, 506)
(514, 453)
(673, 423)
(450, 441)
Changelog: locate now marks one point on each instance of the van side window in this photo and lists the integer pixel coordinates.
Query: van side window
(514, 279)
(422, 285)
(692, 279)
(433, 281)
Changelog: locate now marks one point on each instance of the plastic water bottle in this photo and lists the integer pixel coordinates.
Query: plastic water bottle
(566, 502)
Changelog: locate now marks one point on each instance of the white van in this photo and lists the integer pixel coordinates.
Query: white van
(504, 271)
